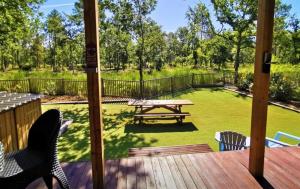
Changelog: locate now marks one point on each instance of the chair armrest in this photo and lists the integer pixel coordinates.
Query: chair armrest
(269, 141)
(279, 134)
(64, 126)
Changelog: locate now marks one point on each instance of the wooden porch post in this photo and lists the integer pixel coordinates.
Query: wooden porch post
(94, 91)
(261, 86)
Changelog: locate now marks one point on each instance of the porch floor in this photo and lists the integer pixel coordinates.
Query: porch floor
(208, 170)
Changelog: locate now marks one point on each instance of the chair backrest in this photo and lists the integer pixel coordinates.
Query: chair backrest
(44, 132)
(232, 140)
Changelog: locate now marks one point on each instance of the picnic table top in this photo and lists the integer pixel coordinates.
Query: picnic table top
(159, 102)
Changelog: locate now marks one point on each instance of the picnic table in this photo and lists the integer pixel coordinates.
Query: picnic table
(143, 108)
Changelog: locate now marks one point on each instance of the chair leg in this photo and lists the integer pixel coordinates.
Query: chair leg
(61, 178)
(48, 181)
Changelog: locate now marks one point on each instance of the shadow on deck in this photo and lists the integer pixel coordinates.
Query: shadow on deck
(209, 170)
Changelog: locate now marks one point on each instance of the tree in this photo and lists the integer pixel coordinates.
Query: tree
(295, 26)
(14, 26)
(282, 40)
(57, 36)
(200, 27)
(173, 47)
(240, 16)
(182, 35)
(155, 46)
(140, 10)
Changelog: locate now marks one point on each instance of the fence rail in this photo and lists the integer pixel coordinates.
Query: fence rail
(115, 88)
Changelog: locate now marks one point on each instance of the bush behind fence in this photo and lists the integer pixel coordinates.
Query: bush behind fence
(114, 88)
(154, 88)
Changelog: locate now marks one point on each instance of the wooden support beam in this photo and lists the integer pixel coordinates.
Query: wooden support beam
(94, 91)
(261, 87)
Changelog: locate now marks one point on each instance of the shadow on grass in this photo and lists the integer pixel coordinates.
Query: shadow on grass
(242, 96)
(74, 145)
(117, 146)
(160, 128)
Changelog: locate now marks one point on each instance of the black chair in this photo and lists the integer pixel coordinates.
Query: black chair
(232, 141)
(39, 159)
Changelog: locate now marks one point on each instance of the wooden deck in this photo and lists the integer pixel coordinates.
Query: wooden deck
(209, 170)
(169, 150)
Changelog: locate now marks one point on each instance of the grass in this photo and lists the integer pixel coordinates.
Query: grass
(293, 71)
(80, 75)
(214, 110)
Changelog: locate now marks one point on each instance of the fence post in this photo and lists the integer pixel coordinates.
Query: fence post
(102, 87)
(30, 85)
(63, 86)
(193, 80)
(172, 86)
(224, 78)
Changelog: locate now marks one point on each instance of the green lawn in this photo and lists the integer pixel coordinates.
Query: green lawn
(214, 110)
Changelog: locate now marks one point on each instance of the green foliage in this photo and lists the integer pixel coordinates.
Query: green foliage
(280, 88)
(234, 13)
(245, 81)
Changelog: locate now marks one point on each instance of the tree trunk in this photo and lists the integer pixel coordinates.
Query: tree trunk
(237, 58)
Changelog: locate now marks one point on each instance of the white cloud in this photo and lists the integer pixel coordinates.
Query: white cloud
(57, 5)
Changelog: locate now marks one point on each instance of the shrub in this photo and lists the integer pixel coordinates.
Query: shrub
(280, 88)
(245, 81)
(26, 67)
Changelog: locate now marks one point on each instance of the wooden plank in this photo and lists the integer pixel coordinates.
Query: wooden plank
(94, 91)
(183, 162)
(279, 177)
(149, 173)
(111, 175)
(82, 176)
(140, 174)
(176, 173)
(261, 87)
(235, 170)
(185, 173)
(172, 150)
(122, 174)
(158, 173)
(211, 173)
(131, 174)
(170, 183)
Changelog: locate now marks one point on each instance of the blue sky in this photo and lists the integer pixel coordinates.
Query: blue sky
(170, 14)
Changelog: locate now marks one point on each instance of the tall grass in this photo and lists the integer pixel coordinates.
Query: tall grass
(121, 75)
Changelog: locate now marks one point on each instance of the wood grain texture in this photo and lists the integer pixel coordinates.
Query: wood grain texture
(261, 87)
(169, 150)
(16, 123)
(191, 171)
(91, 21)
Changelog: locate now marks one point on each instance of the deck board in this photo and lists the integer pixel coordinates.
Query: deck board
(191, 171)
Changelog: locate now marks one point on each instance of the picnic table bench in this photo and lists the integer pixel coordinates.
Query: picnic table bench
(143, 108)
(169, 150)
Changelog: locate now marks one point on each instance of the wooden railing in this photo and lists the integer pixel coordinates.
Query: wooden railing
(115, 88)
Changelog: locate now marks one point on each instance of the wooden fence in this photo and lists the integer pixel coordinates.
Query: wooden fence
(116, 88)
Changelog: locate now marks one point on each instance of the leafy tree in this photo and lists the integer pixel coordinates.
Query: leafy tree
(56, 35)
(182, 35)
(200, 27)
(295, 32)
(173, 47)
(240, 16)
(155, 45)
(140, 10)
(14, 25)
(282, 39)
